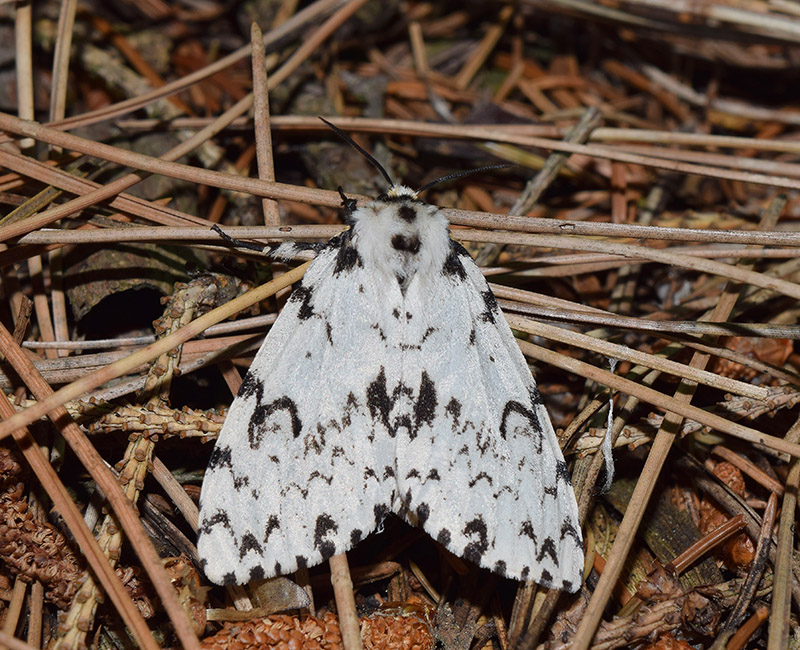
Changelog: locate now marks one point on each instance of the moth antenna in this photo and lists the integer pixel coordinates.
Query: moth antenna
(360, 150)
(347, 203)
(236, 242)
(468, 172)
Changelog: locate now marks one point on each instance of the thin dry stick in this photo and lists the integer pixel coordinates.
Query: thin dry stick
(555, 162)
(536, 186)
(161, 165)
(150, 210)
(633, 251)
(123, 366)
(495, 221)
(104, 192)
(484, 48)
(272, 217)
(124, 510)
(491, 134)
(417, 41)
(14, 607)
(40, 304)
(12, 643)
(36, 614)
(657, 399)
(743, 634)
(261, 123)
(392, 126)
(485, 222)
(23, 13)
(58, 298)
(622, 352)
(749, 469)
(662, 328)
(345, 602)
(176, 493)
(60, 83)
(779, 625)
(706, 543)
(627, 250)
(278, 190)
(717, 160)
(332, 199)
(696, 139)
(133, 468)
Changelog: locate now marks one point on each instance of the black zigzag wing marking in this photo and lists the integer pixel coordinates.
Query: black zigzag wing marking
(272, 418)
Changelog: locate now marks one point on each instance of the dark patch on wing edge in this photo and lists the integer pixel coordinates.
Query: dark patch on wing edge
(220, 457)
(324, 525)
(219, 517)
(251, 385)
(492, 309)
(256, 573)
(347, 259)
(453, 267)
(303, 294)
(249, 543)
(423, 512)
(475, 550)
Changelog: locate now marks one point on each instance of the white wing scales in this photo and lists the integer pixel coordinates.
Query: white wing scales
(390, 381)
(299, 471)
(483, 474)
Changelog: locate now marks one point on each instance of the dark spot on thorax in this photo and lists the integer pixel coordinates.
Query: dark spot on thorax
(406, 244)
(406, 213)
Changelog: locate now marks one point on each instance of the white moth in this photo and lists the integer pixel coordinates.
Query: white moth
(390, 383)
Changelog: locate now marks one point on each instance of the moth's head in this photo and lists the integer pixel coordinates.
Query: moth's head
(401, 192)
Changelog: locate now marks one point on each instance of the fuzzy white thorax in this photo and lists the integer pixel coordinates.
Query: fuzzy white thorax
(401, 236)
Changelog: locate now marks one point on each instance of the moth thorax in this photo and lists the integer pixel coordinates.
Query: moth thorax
(402, 237)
